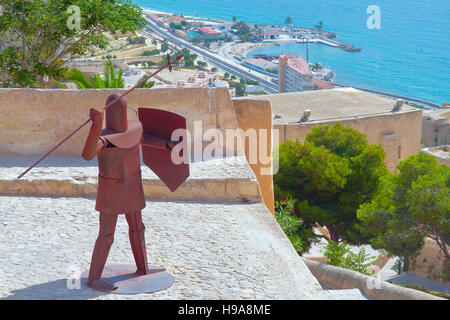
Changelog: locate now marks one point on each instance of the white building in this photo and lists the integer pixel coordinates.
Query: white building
(294, 74)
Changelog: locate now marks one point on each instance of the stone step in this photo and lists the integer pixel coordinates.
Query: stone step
(224, 179)
(214, 250)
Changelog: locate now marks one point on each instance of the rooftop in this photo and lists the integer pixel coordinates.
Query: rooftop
(209, 30)
(295, 62)
(176, 19)
(262, 63)
(329, 104)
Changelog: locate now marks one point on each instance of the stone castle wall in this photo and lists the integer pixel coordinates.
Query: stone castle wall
(34, 120)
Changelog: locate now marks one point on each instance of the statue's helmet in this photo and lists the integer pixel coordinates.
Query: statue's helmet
(116, 114)
(120, 131)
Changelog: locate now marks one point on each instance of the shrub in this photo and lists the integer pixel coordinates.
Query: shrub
(340, 255)
(292, 226)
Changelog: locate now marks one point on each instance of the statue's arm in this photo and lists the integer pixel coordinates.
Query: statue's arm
(157, 142)
(94, 144)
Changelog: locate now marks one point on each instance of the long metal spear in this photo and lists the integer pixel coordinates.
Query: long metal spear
(168, 64)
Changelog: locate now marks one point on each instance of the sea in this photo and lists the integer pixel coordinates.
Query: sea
(405, 43)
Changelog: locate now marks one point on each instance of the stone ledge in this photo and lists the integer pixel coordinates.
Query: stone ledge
(229, 179)
(342, 279)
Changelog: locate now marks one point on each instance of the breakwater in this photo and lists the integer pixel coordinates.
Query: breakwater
(331, 43)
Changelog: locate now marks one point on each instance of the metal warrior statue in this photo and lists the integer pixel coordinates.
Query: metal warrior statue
(120, 189)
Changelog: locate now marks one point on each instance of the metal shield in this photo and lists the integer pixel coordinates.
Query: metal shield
(162, 124)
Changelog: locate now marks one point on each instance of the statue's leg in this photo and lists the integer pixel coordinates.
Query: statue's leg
(101, 250)
(137, 240)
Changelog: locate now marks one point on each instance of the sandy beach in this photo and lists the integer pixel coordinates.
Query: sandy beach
(241, 49)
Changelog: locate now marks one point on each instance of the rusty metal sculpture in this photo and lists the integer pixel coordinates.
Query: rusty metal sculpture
(167, 65)
(120, 189)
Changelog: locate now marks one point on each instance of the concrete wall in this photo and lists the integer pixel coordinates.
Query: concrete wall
(399, 134)
(340, 279)
(436, 127)
(442, 158)
(34, 120)
(430, 263)
(257, 114)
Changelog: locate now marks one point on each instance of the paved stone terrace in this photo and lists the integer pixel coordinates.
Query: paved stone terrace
(221, 179)
(215, 250)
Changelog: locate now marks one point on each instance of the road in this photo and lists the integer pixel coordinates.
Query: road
(213, 58)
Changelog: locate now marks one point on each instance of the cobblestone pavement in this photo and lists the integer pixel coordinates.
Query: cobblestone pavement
(214, 250)
(59, 168)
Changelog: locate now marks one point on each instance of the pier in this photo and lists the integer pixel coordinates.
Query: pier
(331, 43)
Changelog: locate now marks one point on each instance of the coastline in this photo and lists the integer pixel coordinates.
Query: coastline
(382, 64)
(325, 38)
(151, 11)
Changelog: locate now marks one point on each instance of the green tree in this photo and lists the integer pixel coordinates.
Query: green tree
(240, 88)
(188, 58)
(330, 175)
(153, 52)
(202, 64)
(175, 26)
(300, 237)
(38, 38)
(146, 84)
(242, 30)
(410, 205)
(340, 255)
(164, 47)
(288, 21)
(110, 78)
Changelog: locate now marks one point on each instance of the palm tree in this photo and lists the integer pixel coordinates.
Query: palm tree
(319, 27)
(110, 79)
(145, 85)
(288, 21)
(234, 19)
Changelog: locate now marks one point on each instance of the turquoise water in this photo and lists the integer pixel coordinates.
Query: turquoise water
(409, 55)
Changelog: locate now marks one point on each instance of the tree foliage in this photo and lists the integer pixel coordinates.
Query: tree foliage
(188, 58)
(300, 237)
(340, 255)
(38, 37)
(242, 30)
(288, 21)
(164, 47)
(110, 79)
(410, 205)
(330, 175)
